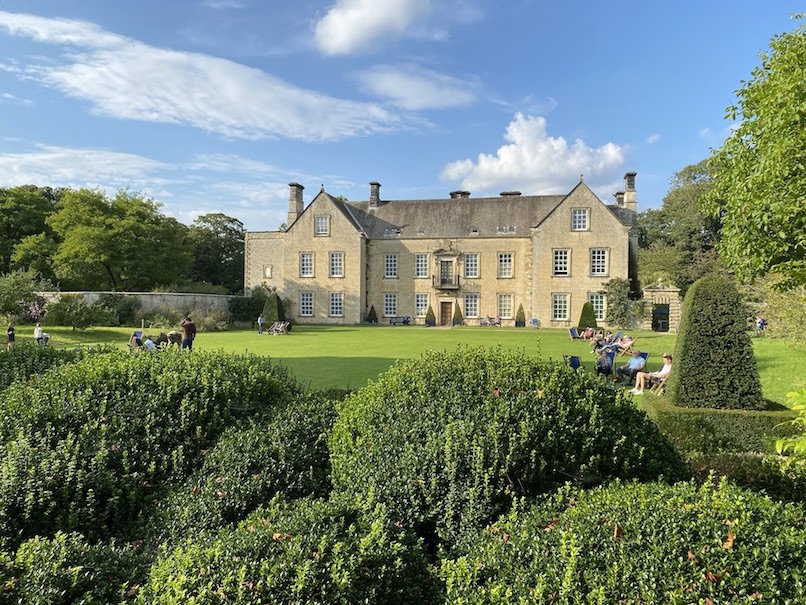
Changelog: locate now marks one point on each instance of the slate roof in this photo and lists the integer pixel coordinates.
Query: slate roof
(511, 216)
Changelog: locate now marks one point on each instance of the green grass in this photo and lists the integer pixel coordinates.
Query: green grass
(349, 356)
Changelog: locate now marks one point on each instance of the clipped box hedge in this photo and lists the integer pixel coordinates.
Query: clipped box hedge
(83, 446)
(447, 440)
(637, 543)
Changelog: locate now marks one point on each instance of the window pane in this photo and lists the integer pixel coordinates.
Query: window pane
(505, 264)
(390, 266)
(560, 264)
(421, 265)
(390, 305)
(336, 304)
(598, 301)
(321, 225)
(579, 219)
(306, 264)
(559, 307)
(420, 304)
(471, 265)
(505, 306)
(306, 304)
(598, 261)
(336, 264)
(471, 305)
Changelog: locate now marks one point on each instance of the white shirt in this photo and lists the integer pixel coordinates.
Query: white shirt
(38, 332)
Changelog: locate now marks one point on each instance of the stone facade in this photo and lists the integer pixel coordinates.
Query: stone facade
(549, 253)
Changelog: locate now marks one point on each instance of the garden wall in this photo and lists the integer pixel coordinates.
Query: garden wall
(182, 301)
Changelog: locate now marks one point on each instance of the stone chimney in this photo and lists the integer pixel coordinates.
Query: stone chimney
(619, 195)
(460, 195)
(374, 194)
(630, 201)
(510, 193)
(295, 203)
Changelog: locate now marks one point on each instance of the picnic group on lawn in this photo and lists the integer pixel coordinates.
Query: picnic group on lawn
(150, 343)
(608, 346)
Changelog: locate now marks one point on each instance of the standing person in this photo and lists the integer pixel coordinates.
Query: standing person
(10, 336)
(189, 328)
(38, 335)
(260, 321)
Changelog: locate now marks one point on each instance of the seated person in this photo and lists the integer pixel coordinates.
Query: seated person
(587, 333)
(135, 342)
(624, 344)
(626, 372)
(643, 377)
(603, 364)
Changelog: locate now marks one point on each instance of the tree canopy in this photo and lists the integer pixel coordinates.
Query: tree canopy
(22, 213)
(218, 243)
(759, 186)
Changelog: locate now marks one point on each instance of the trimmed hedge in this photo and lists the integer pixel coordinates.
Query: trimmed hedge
(26, 360)
(638, 543)
(446, 440)
(714, 363)
(66, 570)
(247, 467)
(587, 319)
(713, 430)
(83, 446)
(305, 552)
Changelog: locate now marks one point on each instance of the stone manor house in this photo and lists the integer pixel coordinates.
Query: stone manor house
(488, 256)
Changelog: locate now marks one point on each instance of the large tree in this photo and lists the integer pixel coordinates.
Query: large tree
(218, 249)
(22, 213)
(119, 244)
(759, 188)
(677, 242)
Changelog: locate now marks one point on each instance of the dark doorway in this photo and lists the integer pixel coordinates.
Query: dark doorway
(445, 313)
(660, 318)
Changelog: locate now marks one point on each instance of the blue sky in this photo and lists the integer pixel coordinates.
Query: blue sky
(216, 105)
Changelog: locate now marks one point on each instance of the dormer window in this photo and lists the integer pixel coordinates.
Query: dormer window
(579, 219)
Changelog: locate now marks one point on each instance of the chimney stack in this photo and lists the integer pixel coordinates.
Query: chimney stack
(630, 201)
(460, 194)
(619, 195)
(295, 203)
(374, 194)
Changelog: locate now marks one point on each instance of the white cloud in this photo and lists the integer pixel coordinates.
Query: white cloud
(123, 78)
(352, 26)
(653, 138)
(704, 133)
(533, 161)
(224, 4)
(412, 88)
(7, 97)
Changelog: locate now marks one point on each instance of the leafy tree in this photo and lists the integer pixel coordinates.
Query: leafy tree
(760, 170)
(676, 242)
(587, 319)
(22, 213)
(714, 364)
(18, 291)
(621, 311)
(218, 251)
(120, 244)
(36, 252)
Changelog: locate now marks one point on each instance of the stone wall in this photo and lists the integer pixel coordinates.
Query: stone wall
(181, 301)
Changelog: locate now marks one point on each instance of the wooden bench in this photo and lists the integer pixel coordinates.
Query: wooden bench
(402, 320)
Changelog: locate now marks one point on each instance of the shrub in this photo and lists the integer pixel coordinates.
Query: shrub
(248, 466)
(758, 472)
(587, 319)
(458, 318)
(520, 317)
(85, 445)
(247, 308)
(26, 360)
(638, 543)
(305, 552)
(446, 440)
(372, 316)
(72, 310)
(273, 309)
(621, 311)
(125, 307)
(430, 318)
(714, 430)
(66, 569)
(714, 362)
(796, 443)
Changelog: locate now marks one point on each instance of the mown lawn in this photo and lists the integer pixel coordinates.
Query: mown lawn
(349, 356)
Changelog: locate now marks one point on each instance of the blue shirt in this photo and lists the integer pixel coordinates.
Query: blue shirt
(636, 362)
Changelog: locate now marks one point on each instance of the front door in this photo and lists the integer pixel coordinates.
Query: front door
(445, 313)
